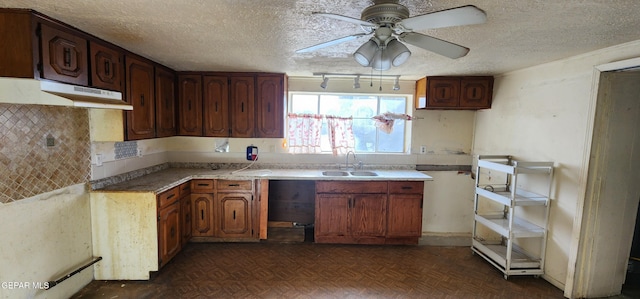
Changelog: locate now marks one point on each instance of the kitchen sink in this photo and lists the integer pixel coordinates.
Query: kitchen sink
(335, 173)
(363, 173)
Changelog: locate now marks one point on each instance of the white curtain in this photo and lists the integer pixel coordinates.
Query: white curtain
(303, 133)
(341, 134)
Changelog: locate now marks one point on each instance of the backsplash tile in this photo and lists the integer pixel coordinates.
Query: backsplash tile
(126, 149)
(29, 166)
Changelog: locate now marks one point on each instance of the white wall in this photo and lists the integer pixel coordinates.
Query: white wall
(41, 238)
(542, 113)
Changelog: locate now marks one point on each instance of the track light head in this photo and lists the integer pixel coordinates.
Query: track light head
(356, 82)
(325, 80)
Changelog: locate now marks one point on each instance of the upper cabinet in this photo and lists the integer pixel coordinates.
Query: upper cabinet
(232, 104)
(107, 66)
(270, 106)
(165, 102)
(64, 56)
(460, 93)
(140, 122)
(190, 105)
(216, 106)
(241, 104)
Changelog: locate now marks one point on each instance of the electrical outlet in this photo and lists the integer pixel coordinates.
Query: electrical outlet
(139, 152)
(423, 149)
(98, 159)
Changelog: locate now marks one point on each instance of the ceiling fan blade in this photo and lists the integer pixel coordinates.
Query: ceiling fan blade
(331, 43)
(346, 19)
(434, 45)
(464, 15)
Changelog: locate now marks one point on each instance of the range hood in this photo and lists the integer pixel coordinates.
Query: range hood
(31, 91)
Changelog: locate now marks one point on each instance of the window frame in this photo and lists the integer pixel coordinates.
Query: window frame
(408, 110)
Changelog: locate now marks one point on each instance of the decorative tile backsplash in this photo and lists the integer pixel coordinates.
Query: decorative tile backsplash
(42, 148)
(126, 149)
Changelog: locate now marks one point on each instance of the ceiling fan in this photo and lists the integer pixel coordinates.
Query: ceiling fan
(390, 24)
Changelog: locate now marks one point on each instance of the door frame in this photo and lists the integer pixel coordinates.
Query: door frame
(581, 249)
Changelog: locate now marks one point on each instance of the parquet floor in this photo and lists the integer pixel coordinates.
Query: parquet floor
(308, 270)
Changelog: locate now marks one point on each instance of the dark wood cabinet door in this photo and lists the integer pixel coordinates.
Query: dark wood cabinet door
(64, 56)
(367, 216)
(107, 67)
(140, 122)
(169, 233)
(186, 216)
(216, 106)
(234, 210)
(270, 103)
(202, 216)
(190, 105)
(165, 102)
(443, 92)
(242, 102)
(332, 215)
(404, 215)
(476, 92)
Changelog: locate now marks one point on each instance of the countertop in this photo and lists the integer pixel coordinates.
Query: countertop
(168, 178)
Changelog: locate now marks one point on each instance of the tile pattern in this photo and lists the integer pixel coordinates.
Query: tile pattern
(308, 270)
(27, 165)
(127, 149)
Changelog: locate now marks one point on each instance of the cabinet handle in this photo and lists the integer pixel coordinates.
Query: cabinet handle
(67, 57)
(170, 196)
(203, 184)
(107, 68)
(406, 188)
(202, 214)
(173, 231)
(242, 107)
(234, 185)
(216, 106)
(234, 215)
(442, 92)
(141, 99)
(189, 104)
(268, 107)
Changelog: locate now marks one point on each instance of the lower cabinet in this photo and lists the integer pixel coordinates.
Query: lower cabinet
(186, 213)
(169, 233)
(368, 212)
(228, 212)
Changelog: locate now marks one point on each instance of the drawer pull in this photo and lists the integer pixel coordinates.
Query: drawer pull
(406, 188)
(170, 196)
(234, 215)
(234, 185)
(203, 185)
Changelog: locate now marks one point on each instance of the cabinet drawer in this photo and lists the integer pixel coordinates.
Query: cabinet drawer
(350, 187)
(185, 189)
(168, 197)
(406, 187)
(234, 185)
(202, 186)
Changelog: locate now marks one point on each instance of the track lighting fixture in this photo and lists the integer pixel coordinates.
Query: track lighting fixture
(356, 79)
(323, 85)
(396, 84)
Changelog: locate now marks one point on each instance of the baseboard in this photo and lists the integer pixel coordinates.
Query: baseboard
(445, 240)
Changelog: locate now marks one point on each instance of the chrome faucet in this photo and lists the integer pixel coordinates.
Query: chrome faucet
(347, 160)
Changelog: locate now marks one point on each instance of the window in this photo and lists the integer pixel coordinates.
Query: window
(368, 138)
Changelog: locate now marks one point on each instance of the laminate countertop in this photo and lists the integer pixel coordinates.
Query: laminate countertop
(168, 178)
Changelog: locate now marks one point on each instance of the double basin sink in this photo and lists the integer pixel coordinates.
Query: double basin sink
(348, 173)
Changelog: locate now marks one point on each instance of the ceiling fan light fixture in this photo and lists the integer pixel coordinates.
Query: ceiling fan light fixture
(381, 61)
(366, 53)
(398, 52)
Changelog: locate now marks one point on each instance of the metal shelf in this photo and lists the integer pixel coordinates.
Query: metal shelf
(507, 256)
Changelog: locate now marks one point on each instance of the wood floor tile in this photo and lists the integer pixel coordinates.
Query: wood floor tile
(307, 270)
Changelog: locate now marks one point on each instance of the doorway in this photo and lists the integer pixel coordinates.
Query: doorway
(612, 191)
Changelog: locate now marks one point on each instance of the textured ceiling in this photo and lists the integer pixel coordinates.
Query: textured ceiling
(262, 35)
